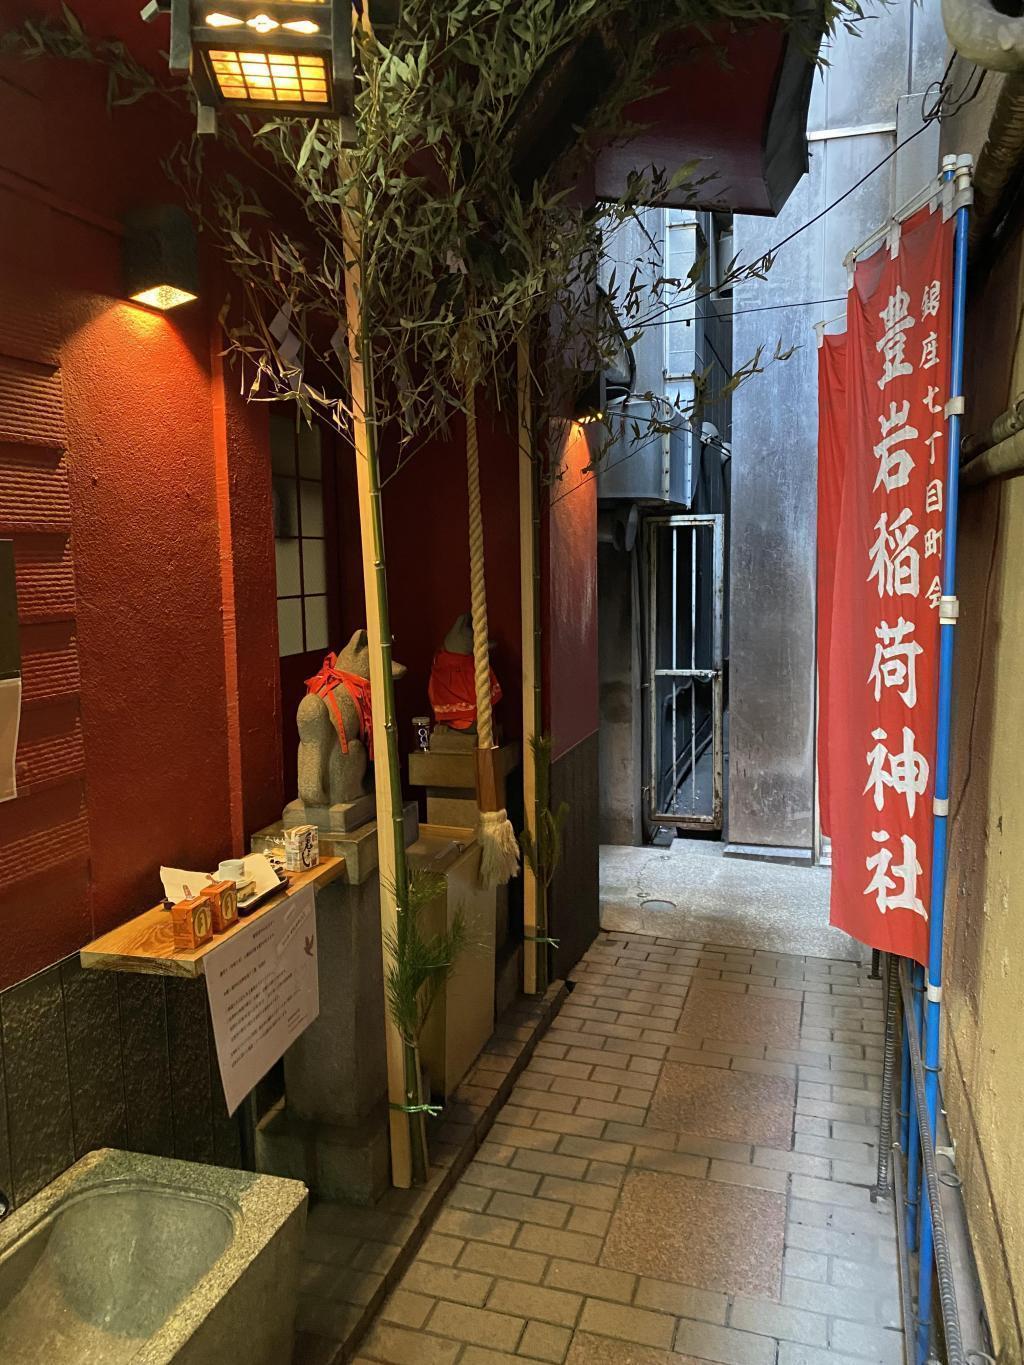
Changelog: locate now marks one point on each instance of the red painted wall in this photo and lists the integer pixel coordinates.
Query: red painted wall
(569, 609)
(427, 538)
(137, 487)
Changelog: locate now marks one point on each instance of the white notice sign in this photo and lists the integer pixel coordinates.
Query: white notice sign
(262, 984)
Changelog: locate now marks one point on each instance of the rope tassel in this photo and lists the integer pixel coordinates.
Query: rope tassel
(499, 856)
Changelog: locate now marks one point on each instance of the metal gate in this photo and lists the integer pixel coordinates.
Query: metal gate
(685, 568)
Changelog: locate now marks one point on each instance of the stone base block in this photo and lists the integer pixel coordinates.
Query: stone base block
(451, 806)
(358, 847)
(342, 818)
(444, 740)
(337, 1163)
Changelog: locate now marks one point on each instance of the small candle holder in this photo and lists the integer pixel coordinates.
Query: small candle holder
(421, 732)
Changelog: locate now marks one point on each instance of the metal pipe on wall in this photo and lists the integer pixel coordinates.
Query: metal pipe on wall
(948, 611)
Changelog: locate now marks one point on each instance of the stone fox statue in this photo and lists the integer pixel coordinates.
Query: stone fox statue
(336, 727)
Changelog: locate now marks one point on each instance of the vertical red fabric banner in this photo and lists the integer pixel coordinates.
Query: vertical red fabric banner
(832, 425)
(883, 659)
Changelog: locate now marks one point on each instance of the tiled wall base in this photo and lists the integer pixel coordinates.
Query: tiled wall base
(355, 1256)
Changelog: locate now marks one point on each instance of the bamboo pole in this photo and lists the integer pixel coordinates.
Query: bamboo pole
(403, 1087)
(529, 574)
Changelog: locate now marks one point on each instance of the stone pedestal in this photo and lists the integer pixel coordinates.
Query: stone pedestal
(344, 818)
(331, 1130)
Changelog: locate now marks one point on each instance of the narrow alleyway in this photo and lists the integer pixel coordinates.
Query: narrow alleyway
(682, 1174)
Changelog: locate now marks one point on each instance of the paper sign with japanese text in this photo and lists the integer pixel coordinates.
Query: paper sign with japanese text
(264, 990)
(884, 641)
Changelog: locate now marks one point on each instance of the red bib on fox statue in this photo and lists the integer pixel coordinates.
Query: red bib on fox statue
(451, 691)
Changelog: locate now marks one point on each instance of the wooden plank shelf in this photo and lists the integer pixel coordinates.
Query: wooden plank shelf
(145, 944)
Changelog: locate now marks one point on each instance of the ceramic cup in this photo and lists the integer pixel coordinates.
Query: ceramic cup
(231, 869)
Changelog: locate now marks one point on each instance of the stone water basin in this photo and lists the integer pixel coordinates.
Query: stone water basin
(141, 1259)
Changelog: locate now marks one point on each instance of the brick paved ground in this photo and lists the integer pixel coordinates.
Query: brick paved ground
(681, 1175)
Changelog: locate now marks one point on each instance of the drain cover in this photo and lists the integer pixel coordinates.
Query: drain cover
(657, 905)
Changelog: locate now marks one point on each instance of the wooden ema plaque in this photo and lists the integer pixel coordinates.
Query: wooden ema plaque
(192, 922)
(223, 900)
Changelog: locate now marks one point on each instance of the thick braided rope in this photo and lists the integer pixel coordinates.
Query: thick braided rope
(478, 589)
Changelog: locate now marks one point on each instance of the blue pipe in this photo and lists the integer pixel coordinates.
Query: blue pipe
(941, 829)
(913, 1130)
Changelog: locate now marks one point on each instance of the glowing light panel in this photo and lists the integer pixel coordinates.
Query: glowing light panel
(262, 23)
(302, 26)
(221, 20)
(271, 77)
(163, 296)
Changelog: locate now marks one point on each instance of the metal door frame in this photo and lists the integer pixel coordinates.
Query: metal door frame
(716, 520)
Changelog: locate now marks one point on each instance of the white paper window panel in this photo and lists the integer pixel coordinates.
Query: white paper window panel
(309, 452)
(314, 566)
(286, 499)
(316, 622)
(282, 443)
(289, 626)
(286, 553)
(311, 498)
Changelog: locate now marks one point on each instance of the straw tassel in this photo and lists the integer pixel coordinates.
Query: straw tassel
(499, 860)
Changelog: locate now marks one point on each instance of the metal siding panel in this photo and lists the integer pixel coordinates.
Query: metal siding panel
(772, 551)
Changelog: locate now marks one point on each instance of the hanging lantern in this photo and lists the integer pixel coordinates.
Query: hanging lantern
(280, 56)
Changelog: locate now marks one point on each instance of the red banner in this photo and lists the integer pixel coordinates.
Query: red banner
(831, 463)
(882, 675)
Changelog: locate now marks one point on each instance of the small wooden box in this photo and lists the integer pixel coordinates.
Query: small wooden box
(192, 922)
(223, 899)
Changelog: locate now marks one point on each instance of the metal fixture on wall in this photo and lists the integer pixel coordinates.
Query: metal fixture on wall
(282, 56)
(161, 262)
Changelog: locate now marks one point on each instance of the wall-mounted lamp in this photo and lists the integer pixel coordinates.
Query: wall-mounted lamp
(283, 56)
(161, 265)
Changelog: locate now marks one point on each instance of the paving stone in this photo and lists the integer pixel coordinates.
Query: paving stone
(501, 1178)
(532, 1301)
(682, 1301)
(839, 1302)
(472, 1197)
(676, 1163)
(577, 1192)
(399, 1346)
(445, 1282)
(759, 1177)
(724, 1104)
(876, 1343)
(574, 1246)
(550, 1163)
(513, 1136)
(407, 1309)
(545, 1212)
(440, 1249)
(772, 1319)
(629, 1324)
(702, 1233)
(479, 1226)
(806, 1265)
(594, 1221)
(724, 1344)
(542, 1341)
(478, 1326)
(494, 1260)
(594, 1149)
(572, 1125)
(594, 1281)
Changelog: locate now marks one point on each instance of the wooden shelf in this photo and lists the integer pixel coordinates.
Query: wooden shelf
(146, 943)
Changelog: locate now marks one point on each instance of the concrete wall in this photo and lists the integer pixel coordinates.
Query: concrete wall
(772, 597)
(983, 1042)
